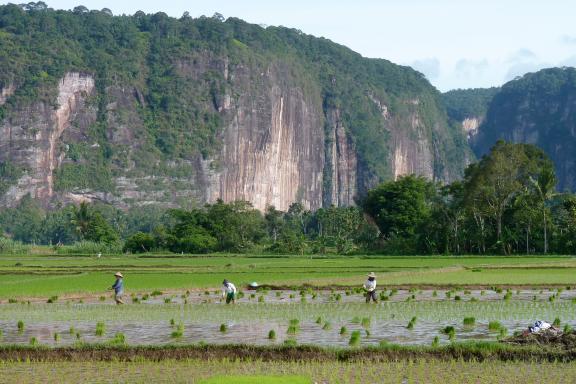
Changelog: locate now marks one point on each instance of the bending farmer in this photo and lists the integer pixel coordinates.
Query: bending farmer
(118, 288)
(228, 291)
(370, 288)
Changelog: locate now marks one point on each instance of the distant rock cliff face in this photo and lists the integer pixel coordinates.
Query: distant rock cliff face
(310, 122)
(540, 109)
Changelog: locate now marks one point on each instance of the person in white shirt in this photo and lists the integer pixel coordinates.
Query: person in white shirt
(229, 291)
(370, 288)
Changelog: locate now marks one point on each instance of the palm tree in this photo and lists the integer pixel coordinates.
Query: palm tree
(81, 217)
(544, 187)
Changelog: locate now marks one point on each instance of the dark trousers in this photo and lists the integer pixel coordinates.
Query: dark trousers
(371, 295)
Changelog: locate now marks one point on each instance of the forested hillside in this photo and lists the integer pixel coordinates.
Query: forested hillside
(150, 109)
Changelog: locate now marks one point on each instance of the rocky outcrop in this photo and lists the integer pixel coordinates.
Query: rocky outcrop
(470, 126)
(540, 109)
(30, 136)
(272, 146)
(6, 92)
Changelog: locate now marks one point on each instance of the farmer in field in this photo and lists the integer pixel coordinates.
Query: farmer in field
(118, 288)
(370, 288)
(228, 291)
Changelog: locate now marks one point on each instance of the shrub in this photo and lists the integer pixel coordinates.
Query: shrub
(139, 243)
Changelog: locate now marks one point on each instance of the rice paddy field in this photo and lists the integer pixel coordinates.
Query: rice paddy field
(54, 302)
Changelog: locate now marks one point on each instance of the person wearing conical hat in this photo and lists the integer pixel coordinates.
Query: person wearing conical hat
(370, 288)
(118, 288)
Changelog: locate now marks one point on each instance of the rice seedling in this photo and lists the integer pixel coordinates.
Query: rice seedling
(260, 299)
(100, 329)
(411, 323)
(135, 300)
(12, 301)
(556, 322)
(78, 336)
(290, 342)
(343, 330)
(494, 326)
(435, 342)
(457, 298)
(159, 293)
(567, 329)
(52, 299)
(167, 300)
(355, 320)
(56, 337)
(469, 321)
(502, 333)
(102, 298)
(338, 297)
(293, 327)
(278, 293)
(72, 330)
(20, 326)
(318, 320)
(223, 328)
(178, 332)
(33, 341)
(365, 322)
(292, 296)
(507, 296)
(327, 326)
(383, 296)
(450, 331)
(172, 322)
(119, 339)
(434, 293)
(354, 338)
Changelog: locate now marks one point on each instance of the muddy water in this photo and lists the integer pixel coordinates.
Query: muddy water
(250, 333)
(383, 329)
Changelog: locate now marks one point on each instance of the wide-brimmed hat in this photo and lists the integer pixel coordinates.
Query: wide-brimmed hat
(371, 274)
(118, 274)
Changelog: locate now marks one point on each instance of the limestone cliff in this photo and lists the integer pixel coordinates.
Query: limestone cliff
(188, 111)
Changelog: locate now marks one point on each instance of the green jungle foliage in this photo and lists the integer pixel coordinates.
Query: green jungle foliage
(506, 204)
(175, 67)
(463, 103)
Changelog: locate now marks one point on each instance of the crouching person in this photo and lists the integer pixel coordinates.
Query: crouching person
(370, 288)
(229, 292)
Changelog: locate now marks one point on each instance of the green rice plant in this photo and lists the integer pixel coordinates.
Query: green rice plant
(167, 300)
(450, 331)
(12, 301)
(102, 298)
(343, 330)
(448, 294)
(482, 293)
(293, 327)
(314, 296)
(223, 328)
(159, 293)
(494, 326)
(365, 322)
(302, 300)
(1, 333)
(338, 297)
(507, 296)
(100, 329)
(260, 299)
(434, 293)
(383, 296)
(473, 300)
(367, 331)
(556, 322)
(292, 296)
(411, 323)
(72, 330)
(33, 341)
(135, 300)
(435, 342)
(278, 293)
(319, 320)
(172, 322)
(178, 332)
(467, 292)
(502, 333)
(457, 298)
(355, 320)
(567, 329)
(469, 321)
(290, 342)
(20, 326)
(327, 326)
(272, 335)
(56, 337)
(393, 291)
(354, 338)
(145, 297)
(52, 299)
(497, 289)
(119, 339)
(78, 336)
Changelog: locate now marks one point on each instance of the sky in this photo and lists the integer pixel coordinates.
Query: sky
(455, 43)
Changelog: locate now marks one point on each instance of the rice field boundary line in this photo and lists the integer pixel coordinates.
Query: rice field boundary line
(485, 351)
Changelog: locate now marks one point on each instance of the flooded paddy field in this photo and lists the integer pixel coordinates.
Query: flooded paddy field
(267, 317)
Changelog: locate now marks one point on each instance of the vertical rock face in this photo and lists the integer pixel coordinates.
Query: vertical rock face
(540, 109)
(272, 148)
(31, 136)
(6, 92)
(341, 163)
(470, 126)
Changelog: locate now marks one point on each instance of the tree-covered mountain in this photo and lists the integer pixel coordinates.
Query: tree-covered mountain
(467, 108)
(538, 108)
(153, 109)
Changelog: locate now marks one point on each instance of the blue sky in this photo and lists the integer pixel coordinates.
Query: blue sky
(455, 43)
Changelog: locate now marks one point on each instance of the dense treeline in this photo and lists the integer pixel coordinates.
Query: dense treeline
(505, 204)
